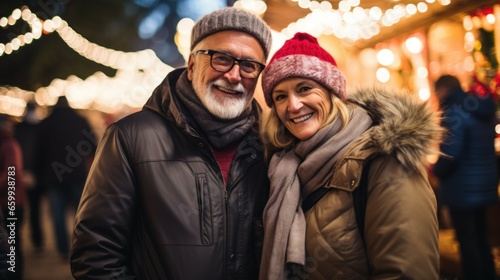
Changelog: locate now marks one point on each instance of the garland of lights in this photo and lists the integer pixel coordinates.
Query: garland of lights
(141, 70)
(21, 40)
(137, 72)
(108, 57)
(351, 22)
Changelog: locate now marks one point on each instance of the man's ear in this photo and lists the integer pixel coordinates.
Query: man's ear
(190, 66)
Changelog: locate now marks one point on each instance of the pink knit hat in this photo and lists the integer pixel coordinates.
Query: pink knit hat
(302, 56)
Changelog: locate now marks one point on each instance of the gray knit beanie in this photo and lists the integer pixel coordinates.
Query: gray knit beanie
(231, 18)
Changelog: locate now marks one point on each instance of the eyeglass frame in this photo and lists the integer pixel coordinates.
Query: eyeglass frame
(236, 60)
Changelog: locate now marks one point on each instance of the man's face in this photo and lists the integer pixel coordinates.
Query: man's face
(225, 95)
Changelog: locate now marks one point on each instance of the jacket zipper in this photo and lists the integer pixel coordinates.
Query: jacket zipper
(226, 221)
(225, 185)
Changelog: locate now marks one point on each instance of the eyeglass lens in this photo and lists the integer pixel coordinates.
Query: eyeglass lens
(224, 63)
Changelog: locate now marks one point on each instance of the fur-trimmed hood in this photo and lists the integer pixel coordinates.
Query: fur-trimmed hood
(405, 126)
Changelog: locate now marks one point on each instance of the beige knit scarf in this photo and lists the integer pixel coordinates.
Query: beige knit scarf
(294, 174)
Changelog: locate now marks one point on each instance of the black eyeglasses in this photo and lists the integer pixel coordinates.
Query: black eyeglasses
(223, 62)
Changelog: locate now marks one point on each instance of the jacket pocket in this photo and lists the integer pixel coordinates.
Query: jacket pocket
(205, 209)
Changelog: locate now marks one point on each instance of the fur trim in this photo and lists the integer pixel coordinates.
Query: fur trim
(305, 66)
(406, 126)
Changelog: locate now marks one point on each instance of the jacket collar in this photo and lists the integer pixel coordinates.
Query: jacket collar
(162, 99)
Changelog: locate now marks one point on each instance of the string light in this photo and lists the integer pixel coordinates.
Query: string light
(138, 73)
(23, 39)
(351, 22)
(108, 57)
(13, 100)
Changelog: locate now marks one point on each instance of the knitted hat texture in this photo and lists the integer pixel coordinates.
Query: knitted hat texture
(231, 18)
(302, 56)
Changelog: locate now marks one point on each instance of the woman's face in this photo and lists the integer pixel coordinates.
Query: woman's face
(302, 105)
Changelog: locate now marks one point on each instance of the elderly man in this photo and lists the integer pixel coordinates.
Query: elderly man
(177, 190)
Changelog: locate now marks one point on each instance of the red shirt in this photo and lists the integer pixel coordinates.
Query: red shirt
(224, 158)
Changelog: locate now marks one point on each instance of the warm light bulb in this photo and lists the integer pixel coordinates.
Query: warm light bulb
(383, 75)
(385, 57)
(414, 45)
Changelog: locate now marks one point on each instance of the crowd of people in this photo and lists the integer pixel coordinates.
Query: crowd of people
(202, 183)
(42, 158)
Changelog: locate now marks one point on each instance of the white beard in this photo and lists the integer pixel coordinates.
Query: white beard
(224, 107)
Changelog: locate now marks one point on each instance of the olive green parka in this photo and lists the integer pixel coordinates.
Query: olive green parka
(401, 227)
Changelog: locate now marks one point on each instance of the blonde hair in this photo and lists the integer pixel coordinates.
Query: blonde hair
(277, 137)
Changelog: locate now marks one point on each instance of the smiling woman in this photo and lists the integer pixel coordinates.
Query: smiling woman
(324, 141)
(303, 106)
(303, 102)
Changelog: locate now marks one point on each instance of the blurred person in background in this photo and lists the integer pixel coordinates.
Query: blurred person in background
(466, 172)
(66, 149)
(4, 248)
(26, 133)
(177, 190)
(12, 195)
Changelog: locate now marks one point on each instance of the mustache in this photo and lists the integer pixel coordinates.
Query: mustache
(233, 87)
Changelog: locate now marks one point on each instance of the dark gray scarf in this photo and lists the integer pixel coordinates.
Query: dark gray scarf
(219, 132)
(298, 172)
